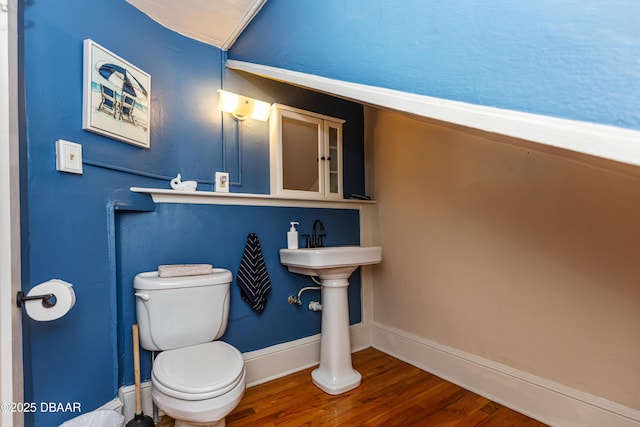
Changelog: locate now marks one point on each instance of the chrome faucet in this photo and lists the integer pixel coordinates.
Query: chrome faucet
(317, 237)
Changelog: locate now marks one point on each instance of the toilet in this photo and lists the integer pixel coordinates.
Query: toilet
(196, 379)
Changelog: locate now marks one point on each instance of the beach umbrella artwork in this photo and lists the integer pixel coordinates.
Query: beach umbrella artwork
(122, 78)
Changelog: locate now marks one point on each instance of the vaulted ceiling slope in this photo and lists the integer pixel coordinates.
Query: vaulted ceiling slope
(215, 22)
(545, 72)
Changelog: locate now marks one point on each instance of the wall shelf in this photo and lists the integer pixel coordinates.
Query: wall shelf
(162, 195)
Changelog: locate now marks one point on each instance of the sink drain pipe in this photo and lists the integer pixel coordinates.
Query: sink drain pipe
(315, 306)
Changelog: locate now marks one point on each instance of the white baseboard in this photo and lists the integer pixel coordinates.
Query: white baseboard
(114, 405)
(283, 359)
(127, 395)
(536, 397)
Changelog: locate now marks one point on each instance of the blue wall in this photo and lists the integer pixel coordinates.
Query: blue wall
(91, 231)
(575, 59)
(179, 234)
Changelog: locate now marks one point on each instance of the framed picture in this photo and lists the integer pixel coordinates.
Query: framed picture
(116, 96)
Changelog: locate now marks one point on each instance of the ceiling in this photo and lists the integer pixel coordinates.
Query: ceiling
(215, 22)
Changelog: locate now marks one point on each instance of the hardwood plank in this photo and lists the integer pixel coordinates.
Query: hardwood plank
(393, 393)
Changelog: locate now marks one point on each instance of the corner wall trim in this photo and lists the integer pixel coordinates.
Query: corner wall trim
(608, 142)
(549, 402)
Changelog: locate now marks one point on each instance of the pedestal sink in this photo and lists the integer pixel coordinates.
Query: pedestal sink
(333, 265)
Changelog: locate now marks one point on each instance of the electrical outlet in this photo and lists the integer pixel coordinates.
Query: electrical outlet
(68, 156)
(222, 182)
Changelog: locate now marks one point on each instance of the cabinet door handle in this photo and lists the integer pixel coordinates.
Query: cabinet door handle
(323, 158)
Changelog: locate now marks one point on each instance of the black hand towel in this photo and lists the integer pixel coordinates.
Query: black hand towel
(253, 278)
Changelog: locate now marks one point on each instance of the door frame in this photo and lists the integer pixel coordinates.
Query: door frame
(11, 373)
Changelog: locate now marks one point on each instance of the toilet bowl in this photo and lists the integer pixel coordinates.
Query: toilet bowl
(198, 385)
(196, 379)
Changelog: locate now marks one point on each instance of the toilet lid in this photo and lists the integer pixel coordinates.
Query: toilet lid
(198, 372)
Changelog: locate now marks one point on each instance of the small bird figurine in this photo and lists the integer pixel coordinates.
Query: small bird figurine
(178, 184)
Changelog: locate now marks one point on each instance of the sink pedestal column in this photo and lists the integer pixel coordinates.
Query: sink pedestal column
(335, 374)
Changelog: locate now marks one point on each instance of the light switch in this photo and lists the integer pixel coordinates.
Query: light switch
(68, 156)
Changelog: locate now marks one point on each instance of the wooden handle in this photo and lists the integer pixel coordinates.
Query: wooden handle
(136, 366)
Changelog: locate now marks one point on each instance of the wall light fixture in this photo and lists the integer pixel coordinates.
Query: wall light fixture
(242, 107)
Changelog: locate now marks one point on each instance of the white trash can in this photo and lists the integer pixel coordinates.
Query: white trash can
(98, 418)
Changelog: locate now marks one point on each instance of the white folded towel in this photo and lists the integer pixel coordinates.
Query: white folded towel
(175, 270)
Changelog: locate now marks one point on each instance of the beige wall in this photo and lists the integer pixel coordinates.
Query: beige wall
(520, 256)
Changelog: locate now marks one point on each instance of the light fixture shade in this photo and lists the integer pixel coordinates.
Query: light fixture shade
(243, 107)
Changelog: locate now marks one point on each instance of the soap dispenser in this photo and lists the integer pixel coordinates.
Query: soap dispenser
(292, 236)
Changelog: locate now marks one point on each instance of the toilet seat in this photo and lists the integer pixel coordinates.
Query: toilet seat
(198, 372)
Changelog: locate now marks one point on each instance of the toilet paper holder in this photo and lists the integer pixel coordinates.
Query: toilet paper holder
(21, 297)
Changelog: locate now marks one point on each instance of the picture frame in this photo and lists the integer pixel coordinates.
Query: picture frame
(116, 98)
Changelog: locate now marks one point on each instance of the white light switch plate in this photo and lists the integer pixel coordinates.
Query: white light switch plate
(68, 156)
(222, 182)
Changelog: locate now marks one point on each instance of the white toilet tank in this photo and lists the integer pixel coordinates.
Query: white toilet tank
(175, 312)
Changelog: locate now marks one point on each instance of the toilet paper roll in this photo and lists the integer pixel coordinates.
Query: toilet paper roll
(65, 298)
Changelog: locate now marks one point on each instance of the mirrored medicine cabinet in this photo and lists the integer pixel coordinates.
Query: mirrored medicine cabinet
(305, 154)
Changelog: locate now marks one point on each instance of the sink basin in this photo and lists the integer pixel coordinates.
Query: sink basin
(332, 260)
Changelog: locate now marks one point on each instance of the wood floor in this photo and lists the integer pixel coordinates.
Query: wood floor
(393, 393)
